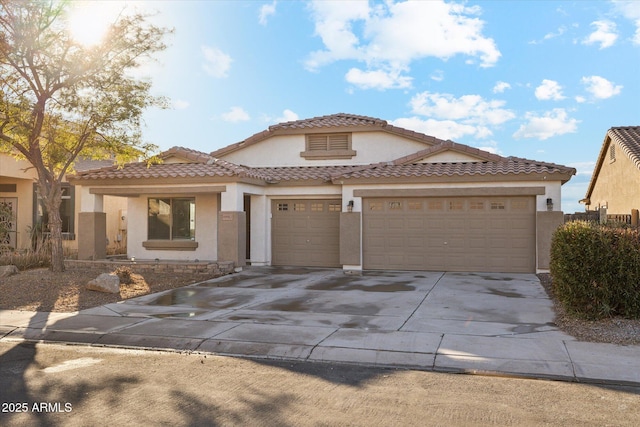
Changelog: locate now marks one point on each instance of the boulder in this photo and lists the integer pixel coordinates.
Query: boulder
(8, 270)
(106, 282)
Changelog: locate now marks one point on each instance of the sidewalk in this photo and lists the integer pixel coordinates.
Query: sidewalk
(412, 327)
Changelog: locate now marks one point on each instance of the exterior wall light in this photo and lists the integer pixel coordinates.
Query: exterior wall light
(350, 206)
(549, 204)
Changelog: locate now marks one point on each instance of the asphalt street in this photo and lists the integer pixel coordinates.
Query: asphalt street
(64, 385)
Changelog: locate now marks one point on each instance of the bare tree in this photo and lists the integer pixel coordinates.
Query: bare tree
(62, 100)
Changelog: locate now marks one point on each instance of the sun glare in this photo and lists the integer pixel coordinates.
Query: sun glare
(88, 21)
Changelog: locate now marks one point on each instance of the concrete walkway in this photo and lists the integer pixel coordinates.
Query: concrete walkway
(449, 322)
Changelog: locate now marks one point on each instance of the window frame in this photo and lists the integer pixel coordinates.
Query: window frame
(171, 224)
(69, 200)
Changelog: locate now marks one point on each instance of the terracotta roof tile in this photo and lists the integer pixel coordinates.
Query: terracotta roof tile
(510, 165)
(629, 139)
(292, 173)
(207, 166)
(333, 120)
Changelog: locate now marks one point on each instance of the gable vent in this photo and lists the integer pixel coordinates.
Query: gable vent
(339, 142)
(317, 142)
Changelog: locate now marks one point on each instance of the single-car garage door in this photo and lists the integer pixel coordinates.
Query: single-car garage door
(486, 234)
(306, 232)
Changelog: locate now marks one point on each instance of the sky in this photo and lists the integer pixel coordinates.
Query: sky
(543, 80)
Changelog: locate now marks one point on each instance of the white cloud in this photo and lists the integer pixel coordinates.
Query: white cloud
(394, 34)
(631, 11)
(561, 30)
(217, 63)
(377, 79)
(451, 117)
(552, 123)
(437, 75)
(501, 87)
(549, 90)
(443, 129)
(580, 99)
(266, 11)
(235, 115)
(605, 34)
(180, 104)
(583, 168)
(600, 87)
(287, 116)
(471, 108)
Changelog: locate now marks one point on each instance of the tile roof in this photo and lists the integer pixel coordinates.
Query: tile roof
(203, 165)
(504, 166)
(629, 139)
(207, 166)
(333, 120)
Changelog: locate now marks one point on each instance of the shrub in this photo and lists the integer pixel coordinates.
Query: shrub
(596, 269)
(27, 260)
(124, 274)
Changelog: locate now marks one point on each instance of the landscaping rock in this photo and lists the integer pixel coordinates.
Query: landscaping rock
(8, 270)
(106, 282)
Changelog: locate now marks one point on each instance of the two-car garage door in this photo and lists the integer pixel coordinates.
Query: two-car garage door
(450, 234)
(484, 234)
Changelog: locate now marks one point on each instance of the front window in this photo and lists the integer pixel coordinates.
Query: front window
(172, 219)
(41, 216)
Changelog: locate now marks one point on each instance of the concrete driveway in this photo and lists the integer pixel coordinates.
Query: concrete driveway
(465, 322)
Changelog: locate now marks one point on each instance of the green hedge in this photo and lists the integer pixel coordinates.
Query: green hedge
(596, 269)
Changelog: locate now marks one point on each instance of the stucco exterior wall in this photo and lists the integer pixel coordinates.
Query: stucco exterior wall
(206, 231)
(617, 185)
(284, 150)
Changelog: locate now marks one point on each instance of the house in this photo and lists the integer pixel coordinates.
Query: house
(340, 190)
(615, 183)
(18, 192)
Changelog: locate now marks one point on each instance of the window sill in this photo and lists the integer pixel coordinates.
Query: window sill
(333, 154)
(170, 245)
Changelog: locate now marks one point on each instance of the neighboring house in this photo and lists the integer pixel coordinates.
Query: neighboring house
(336, 191)
(18, 192)
(615, 184)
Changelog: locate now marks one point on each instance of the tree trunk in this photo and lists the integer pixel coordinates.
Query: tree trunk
(55, 228)
(52, 200)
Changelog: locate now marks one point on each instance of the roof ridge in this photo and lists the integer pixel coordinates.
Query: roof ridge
(448, 144)
(188, 153)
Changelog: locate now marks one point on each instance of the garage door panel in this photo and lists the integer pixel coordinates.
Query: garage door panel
(451, 234)
(307, 233)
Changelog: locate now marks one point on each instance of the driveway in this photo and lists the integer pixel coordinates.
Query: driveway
(462, 322)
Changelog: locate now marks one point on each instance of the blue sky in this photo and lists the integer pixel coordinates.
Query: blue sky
(542, 80)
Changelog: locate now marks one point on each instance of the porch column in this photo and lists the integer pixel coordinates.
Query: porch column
(546, 225)
(232, 227)
(351, 231)
(92, 227)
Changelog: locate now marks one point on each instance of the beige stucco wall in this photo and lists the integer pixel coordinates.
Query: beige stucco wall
(617, 185)
(21, 173)
(206, 230)
(284, 150)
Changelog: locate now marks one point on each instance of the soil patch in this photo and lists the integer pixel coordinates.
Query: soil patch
(42, 290)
